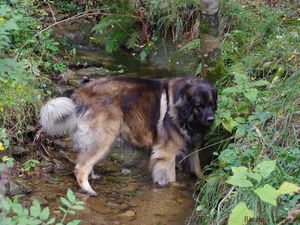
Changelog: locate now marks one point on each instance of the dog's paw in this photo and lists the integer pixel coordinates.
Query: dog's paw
(95, 177)
(162, 181)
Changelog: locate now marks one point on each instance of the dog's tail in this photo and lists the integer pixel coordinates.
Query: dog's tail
(58, 116)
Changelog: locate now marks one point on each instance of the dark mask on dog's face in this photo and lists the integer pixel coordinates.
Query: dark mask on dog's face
(197, 105)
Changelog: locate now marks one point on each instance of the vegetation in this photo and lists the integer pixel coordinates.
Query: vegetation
(255, 175)
(13, 212)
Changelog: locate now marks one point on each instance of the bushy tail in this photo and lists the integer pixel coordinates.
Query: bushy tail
(58, 116)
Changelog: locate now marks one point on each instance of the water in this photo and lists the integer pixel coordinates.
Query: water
(125, 198)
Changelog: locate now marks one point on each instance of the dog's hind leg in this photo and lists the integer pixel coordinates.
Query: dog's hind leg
(94, 176)
(104, 137)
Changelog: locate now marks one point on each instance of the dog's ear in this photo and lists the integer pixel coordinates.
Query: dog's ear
(181, 95)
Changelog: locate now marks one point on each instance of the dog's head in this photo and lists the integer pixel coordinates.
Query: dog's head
(196, 103)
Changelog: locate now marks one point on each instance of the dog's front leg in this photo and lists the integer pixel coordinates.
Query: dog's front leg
(195, 166)
(162, 164)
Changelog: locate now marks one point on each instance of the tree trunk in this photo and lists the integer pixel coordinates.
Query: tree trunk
(212, 67)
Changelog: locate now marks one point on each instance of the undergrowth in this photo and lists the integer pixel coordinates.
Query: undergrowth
(24, 59)
(138, 25)
(255, 178)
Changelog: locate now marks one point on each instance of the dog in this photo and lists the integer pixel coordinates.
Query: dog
(168, 116)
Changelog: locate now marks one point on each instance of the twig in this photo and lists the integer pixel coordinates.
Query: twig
(65, 20)
(77, 16)
(199, 150)
(223, 200)
(51, 11)
(291, 216)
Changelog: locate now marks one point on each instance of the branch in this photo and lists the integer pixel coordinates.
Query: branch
(199, 150)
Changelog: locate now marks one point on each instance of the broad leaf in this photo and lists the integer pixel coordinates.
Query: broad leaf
(229, 124)
(74, 222)
(239, 180)
(240, 214)
(65, 202)
(265, 168)
(70, 195)
(288, 188)
(45, 214)
(35, 209)
(240, 132)
(267, 194)
(255, 176)
(251, 95)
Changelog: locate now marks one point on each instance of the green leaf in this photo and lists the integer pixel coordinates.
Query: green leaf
(63, 209)
(240, 170)
(240, 119)
(267, 194)
(251, 95)
(70, 195)
(71, 212)
(239, 180)
(74, 222)
(230, 124)
(265, 168)
(45, 214)
(258, 83)
(288, 188)
(51, 221)
(77, 207)
(35, 209)
(79, 202)
(226, 114)
(240, 132)
(243, 107)
(255, 176)
(65, 202)
(198, 69)
(240, 214)
(241, 78)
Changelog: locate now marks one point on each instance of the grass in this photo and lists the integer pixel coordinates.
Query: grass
(262, 42)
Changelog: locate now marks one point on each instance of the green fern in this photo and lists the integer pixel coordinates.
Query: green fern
(133, 41)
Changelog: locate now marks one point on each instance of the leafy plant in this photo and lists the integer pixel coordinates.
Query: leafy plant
(244, 178)
(30, 164)
(236, 102)
(118, 28)
(13, 212)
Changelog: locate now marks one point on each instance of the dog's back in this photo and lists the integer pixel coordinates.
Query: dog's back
(133, 103)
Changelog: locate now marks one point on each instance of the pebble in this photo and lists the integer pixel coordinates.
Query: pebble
(128, 213)
(113, 205)
(126, 171)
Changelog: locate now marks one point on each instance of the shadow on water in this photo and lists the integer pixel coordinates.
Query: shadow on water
(127, 195)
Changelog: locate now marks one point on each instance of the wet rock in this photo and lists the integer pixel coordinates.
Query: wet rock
(125, 155)
(51, 197)
(92, 71)
(126, 171)
(124, 206)
(19, 150)
(113, 205)
(67, 76)
(13, 188)
(64, 90)
(40, 199)
(128, 213)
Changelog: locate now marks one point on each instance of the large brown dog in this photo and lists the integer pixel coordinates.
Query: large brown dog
(169, 116)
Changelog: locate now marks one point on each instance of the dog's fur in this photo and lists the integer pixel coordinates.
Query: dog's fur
(169, 116)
